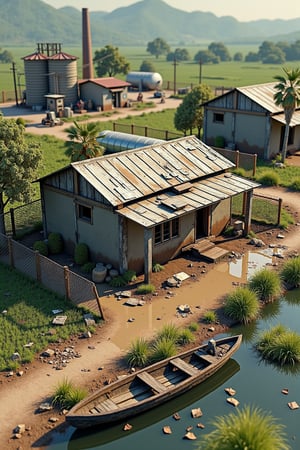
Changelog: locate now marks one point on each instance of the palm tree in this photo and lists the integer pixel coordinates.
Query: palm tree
(83, 142)
(250, 428)
(287, 95)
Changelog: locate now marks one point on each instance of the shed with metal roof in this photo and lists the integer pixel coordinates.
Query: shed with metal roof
(248, 120)
(144, 205)
(104, 93)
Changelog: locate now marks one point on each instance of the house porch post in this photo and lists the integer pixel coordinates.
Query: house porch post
(247, 207)
(123, 244)
(147, 255)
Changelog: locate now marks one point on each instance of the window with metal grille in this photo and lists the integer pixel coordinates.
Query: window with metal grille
(166, 231)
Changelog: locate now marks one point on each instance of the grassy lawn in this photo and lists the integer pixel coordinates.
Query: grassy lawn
(28, 318)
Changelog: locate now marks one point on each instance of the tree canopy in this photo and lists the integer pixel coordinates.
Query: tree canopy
(158, 47)
(189, 113)
(83, 142)
(180, 54)
(19, 164)
(108, 61)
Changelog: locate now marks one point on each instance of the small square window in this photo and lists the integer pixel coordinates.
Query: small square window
(85, 213)
(219, 117)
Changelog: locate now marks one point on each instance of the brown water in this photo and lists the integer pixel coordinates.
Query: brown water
(201, 294)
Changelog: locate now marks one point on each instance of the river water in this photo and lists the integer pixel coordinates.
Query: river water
(257, 383)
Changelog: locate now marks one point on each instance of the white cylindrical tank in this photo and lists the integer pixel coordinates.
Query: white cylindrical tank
(145, 80)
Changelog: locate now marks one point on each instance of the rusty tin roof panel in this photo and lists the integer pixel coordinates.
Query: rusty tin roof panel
(160, 208)
(263, 95)
(134, 174)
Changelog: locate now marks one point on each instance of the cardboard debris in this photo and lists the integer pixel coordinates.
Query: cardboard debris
(285, 391)
(196, 412)
(230, 391)
(181, 276)
(59, 320)
(56, 311)
(190, 436)
(167, 430)
(233, 401)
(293, 405)
(176, 416)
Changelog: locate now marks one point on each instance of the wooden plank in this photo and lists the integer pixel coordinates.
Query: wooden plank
(110, 404)
(185, 367)
(209, 358)
(151, 381)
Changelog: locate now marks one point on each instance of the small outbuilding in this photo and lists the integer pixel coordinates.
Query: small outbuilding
(104, 93)
(143, 206)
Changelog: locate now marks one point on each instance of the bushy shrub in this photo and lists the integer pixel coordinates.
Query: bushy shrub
(269, 178)
(193, 326)
(210, 317)
(129, 275)
(157, 268)
(138, 353)
(55, 243)
(41, 247)
(145, 289)
(240, 171)
(280, 345)
(88, 267)
(81, 254)
(168, 331)
(67, 395)
(21, 121)
(266, 283)
(242, 305)
(162, 349)
(117, 281)
(185, 336)
(219, 141)
(290, 272)
(295, 185)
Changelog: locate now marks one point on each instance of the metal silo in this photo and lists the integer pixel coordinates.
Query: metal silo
(63, 76)
(36, 79)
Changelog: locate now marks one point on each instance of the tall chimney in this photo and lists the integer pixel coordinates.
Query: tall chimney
(87, 60)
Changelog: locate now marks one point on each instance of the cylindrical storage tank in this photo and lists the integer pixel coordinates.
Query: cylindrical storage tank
(145, 80)
(114, 141)
(36, 79)
(63, 76)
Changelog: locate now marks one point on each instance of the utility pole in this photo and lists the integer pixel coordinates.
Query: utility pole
(200, 71)
(14, 70)
(175, 64)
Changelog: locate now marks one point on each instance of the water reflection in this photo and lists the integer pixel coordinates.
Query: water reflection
(247, 264)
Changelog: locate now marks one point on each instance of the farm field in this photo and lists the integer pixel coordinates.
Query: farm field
(225, 74)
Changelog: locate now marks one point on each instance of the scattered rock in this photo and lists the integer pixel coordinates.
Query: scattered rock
(53, 419)
(127, 427)
(293, 405)
(230, 391)
(45, 407)
(167, 430)
(190, 436)
(232, 401)
(285, 391)
(200, 425)
(196, 412)
(19, 429)
(176, 416)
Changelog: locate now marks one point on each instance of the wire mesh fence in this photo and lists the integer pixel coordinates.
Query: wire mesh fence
(53, 276)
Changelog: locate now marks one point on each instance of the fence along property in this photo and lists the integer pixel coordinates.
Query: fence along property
(53, 276)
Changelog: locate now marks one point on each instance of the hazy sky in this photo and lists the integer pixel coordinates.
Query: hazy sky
(241, 9)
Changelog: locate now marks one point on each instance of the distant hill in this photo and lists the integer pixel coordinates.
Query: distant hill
(25, 22)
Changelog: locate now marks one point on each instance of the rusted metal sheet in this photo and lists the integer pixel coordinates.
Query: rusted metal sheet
(134, 174)
(160, 208)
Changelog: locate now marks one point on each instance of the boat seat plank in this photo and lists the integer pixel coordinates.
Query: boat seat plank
(152, 382)
(184, 366)
(209, 358)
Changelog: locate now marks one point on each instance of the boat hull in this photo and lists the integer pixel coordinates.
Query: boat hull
(151, 386)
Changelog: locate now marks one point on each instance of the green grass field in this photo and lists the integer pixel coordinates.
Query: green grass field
(227, 74)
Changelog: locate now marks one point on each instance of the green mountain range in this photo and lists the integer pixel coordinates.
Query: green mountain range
(24, 22)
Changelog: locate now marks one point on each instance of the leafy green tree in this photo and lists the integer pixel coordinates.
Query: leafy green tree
(252, 57)
(180, 54)
(219, 49)
(189, 113)
(206, 57)
(249, 428)
(6, 57)
(19, 164)
(109, 61)
(158, 47)
(83, 142)
(287, 96)
(147, 66)
(238, 56)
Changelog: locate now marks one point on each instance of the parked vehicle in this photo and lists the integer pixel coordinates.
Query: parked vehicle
(51, 120)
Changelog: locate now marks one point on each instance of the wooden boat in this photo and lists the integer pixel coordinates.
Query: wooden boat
(153, 385)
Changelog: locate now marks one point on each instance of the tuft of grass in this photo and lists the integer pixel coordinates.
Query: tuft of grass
(193, 326)
(269, 178)
(67, 395)
(266, 284)
(138, 354)
(242, 305)
(157, 267)
(117, 281)
(210, 317)
(290, 272)
(169, 332)
(145, 289)
(295, 184)
(280, 345)
(163, 348)
(185, 336)
(248, 428)
(129, 275)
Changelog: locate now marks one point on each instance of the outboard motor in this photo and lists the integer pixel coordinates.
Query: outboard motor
(211, 347)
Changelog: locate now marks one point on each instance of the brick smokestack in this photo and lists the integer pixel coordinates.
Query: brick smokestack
(87, 60)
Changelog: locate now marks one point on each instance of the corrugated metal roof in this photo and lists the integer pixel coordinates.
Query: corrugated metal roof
(160, 208)
(263, 94)
(295, 119)
(108, 82)
(62, 56)
(35, 57)
(134, 174)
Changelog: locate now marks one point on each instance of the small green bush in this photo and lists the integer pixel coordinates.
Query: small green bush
(67, 395)
(290, 272)
(169, 331)
(185, 336)
(266, 284)
(138, 353)
(193, 327)
(117, 281)
(295, 185)
(55, 243)
(157, 268)
(240, 171)
(280, 345)
(210, 317)
(162, 349)
(145, 289)
(269, 178)
(88, 267)
(21, 121)
(129, 276)
(229, 231)
(41, 247)
(219, 141)
(242, 305)
(81, 254)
